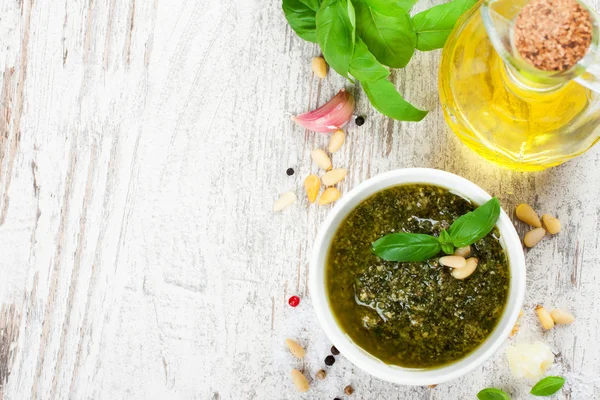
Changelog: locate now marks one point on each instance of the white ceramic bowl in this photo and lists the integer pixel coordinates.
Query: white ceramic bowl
(359, 357)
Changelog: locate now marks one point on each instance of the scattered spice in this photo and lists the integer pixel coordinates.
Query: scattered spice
(284, 201)
(312, 185)
(321, 374)
(290, 171)
(526, 214)
(294, 301)
(551, 223)
(515, 329)
(359, 121)
(300, 381)
(534, 236)
(348, 390)
(329, 361)
(544, 317)
(319, 67)
(329, 195)
(431, 386)
(337, 140)
(334, 351)
(295, 348)
(562, 317)
(553, 35)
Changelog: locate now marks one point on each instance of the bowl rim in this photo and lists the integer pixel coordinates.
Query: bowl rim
(360, 357)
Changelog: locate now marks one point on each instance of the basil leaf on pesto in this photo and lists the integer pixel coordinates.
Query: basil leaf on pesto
(405, 247)
(548, 386)
(492, 394)
(473, 226)
(444, 239)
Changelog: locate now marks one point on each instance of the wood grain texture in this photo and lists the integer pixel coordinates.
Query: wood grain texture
(142, 144)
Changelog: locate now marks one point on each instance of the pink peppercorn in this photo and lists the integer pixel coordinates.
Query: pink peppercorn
(294, 301)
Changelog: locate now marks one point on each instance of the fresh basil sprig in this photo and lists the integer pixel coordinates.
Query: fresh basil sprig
(387, 31)
(301, 17)
(336, 30)
(359, 38)
(433, 26)
(492, 394)
(548, 386)
(465, 230)
(385, 98)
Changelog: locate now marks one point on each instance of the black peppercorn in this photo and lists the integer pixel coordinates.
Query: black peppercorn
(290, 171)
(329, 360)
(337, 398)
(359, 121)
(334, 351)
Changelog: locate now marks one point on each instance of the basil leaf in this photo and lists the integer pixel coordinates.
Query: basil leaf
(336, 33)
(548, 386)
(444, 240)
(364, 66)
(493, 394)
(301, 17)
(404, 247)
(473, 226)
(385, 98)
(391, 6)
(388, 34)
(312, 4)
(434, 25)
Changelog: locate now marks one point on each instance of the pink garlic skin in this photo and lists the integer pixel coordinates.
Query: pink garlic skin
(330, 116)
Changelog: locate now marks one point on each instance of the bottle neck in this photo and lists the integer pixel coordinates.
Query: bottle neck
(517, 82)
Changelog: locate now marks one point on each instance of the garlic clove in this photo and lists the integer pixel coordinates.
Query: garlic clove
(331, 116)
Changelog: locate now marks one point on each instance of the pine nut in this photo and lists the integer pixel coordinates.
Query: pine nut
(300, 381)
(463, 251)
(515, 329)
(534, 236)
(551, 223)
(329, 195)
(544, 317)
(453, 261)
(562, 317)
(312, 185)
(286, 200)
(321, 159)
(463, 273)
(296, 350)
(319, 67)
(321, 374)
(526, 214)
(334, 176)
(337, 140)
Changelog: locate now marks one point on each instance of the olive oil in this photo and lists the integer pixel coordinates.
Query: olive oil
(500, 114)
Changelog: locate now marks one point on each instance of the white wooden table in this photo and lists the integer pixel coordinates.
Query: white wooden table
(142, 145)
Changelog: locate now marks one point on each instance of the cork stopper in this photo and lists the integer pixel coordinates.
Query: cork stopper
(553, 35)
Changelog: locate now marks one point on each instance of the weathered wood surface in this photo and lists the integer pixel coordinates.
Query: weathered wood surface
(142, 145)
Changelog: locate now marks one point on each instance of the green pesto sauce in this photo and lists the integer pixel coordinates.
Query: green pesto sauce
(413, 314)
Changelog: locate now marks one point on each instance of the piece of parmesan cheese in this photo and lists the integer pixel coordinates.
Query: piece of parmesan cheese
(529, 360)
